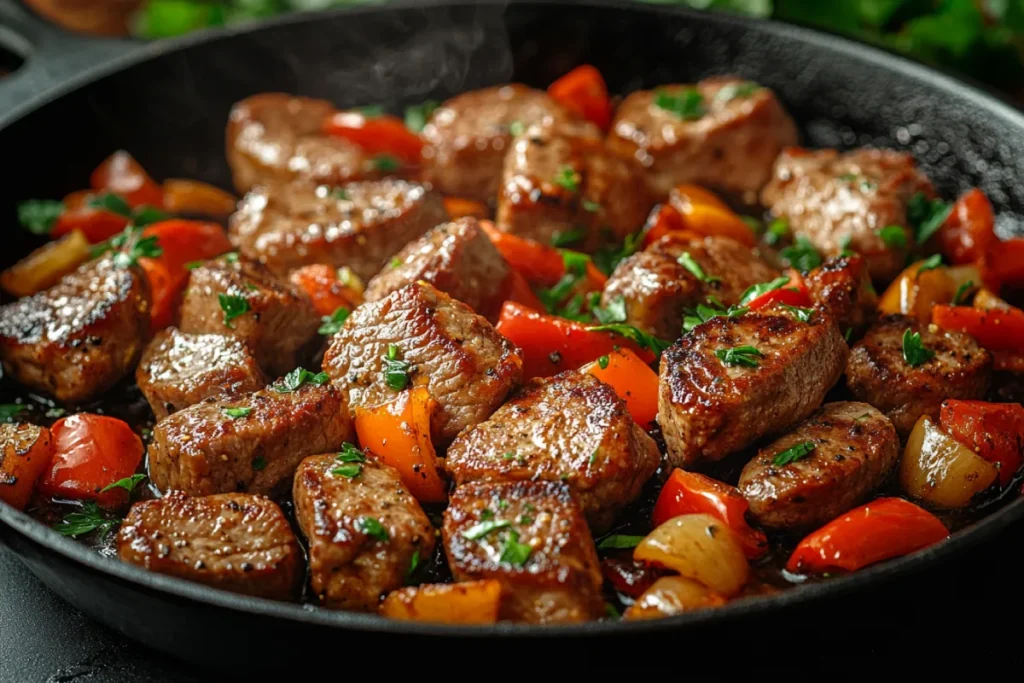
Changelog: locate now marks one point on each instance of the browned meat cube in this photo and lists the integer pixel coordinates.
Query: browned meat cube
(791, 487)
(274, 138)
(657, 288)
(572, 428)
(243, 300)
(363, 531)
(879, 373)
(237, 542)
(562, 180)
(359, 225)
(458, 259)
(843, 287)
(734, 380)
(76, 339)
(530, 536)
(849, 200)
(467, 137)
(178, 370)
(247, 443)
(436, 341)
(723, 133)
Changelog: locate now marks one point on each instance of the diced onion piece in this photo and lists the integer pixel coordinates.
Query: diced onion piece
(940, 471)
(986, 299)
(45, 266)
(699, 547)
(672, 595)
(471, 602)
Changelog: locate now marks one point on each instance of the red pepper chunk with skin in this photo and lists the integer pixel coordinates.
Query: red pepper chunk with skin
(584, 92)
(687, 493)
(880, 530)
(122, 175)
(377, 135)
(995, 431)
(794, 293)
(997, 329)
(969, 230)
(90, 452)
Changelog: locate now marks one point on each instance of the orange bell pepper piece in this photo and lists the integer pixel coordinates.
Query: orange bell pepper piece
(633, 380)
(122, 175)
(376, 135)
(880, 530)
(969, 230)
(398, 433)
(457, 207)
(688, 493)
(584, 92)
(996, 329)
(325, 289)
(467, 602)
(25, 452)
(192, 197)
(995, 431)
(704, 213)
(539, 263)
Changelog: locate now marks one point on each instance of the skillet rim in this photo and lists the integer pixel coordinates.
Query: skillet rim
(111, 568)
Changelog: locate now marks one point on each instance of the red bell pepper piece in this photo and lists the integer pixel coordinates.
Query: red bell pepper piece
(995, 431)
(688, 493)
(538, 263)
(377, 135)
(90, 452)
(550, 344)
(518, 290)
(634, 382)
(794, 293)
(96, 224)
(122, 175)
(969, 230)
(584, 92)
(1003, 264)
(999, 329)
(880, 530)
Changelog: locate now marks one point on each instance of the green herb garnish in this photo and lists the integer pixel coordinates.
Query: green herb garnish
(731, 91)
(128, 483)
(108, 201)
(567, 238)
(926, 216)
(603, 362)
(145, 215)
(481, 529)
(961, 293)
(297, 377)
(516, 128)
(801, 255)
(332, 323)
(915, 353)
(762, 288)
(686, 103)
(799, 312)
(339, 193)
(233, 307)
(688, 262)
(39, 215)
(373, 528)
(607, 258)
(776, 231)
(568, 178)
(893, 236)
(396, 370)
(236, 413)
(9, 411)
(931, 263)
(619, 542)
(614, 312)
(89, 518)
(386, 163)
(705, 312)
(414, 565)
(417, 115)
(590, 206)
(794, 453)
(513, 552)
(745, 356)
(636, 335)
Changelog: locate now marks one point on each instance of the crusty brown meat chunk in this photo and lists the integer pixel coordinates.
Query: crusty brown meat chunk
(76, 339)
(363, 530)
(855, 448)
(842, 285)
(237, 542)
(572, 428)
(468, 368)
(530, 536)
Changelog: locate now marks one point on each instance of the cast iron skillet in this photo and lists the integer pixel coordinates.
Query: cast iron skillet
(167, 103)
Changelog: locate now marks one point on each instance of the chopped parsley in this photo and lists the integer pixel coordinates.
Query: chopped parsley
(567, 238)
(297, 377)
(516, 128)
(926, 216)
(961, 293)
(108, 201)
(590, 206)
(755, 224)
(603, 362)
(192, 265)
(762, 288)
(636, 335)
(60, 412)
(509, 456)
(568, 178)
(235, 413)
(619, 542)
(9, 411)
(350, 471)
(513, 552)
(554, 298)
(352, 458)
(914, 351)
(233, 307)
(607, 258)
(686, 103)
(794, 453)
(396, 262)
(128, 483)
(414, 565)
(745, 356)
(332, 323)
(369, 111)
(417, 115)
(799, 312)
(847, 177)
(844, 246)
(893, 236)
(705, 312)
(931, 263)
(481, 529)
(801, 255)
(396, 370)
(39, 215)
(231, 257)
(144, 215)
(611, 611)
(688, 262)
(848, 334)
(386, 163)
(373, 528)
(776, 231)
(614, 312)
(732, 91)
(259, 463)
(88, 518)
(339, 193)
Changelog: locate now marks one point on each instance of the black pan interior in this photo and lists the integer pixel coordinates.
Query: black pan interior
(170, 110)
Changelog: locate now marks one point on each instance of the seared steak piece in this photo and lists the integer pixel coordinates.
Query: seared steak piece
(237, 542)
(530, 536)
(563, 179)
(243, 300)
(363, 531)
(273, 138)
(734, 380)
(468, 136)
(248, 443)
(458, 259)
(571, 428)
(855, 448)
(178, 370)
(843, 287)
(468, 368)
(74, 340)
(878, 372)
(723, 133)
(849, 200)
(657, 288)
(359, 225)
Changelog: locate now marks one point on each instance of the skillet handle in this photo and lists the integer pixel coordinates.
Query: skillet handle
(51, 57)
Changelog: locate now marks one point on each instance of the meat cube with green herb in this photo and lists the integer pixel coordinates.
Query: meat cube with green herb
(736, 379)
(458, 259)
(531, 537)
(842, 285)
(76, 339)
(571, 428)
(826, 465)
(241, 299)
(664, 283)
(419, 336)
(722, 133)
(178, 370)
(233, 541)
(860, 201)
(252, 442)
(561, 185)
(365, 531)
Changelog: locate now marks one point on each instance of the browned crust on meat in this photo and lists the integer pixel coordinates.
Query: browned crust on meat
(843, 286)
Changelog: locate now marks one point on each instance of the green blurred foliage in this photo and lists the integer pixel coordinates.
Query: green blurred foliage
(981, 38)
